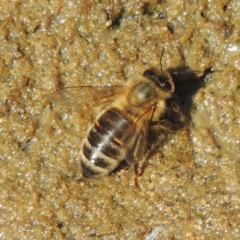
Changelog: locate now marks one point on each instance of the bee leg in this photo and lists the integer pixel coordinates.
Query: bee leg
(167, 125)
(135, 170)
(136, 152)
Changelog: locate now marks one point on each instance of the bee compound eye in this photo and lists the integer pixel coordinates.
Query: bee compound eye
(164, 83)
(161, 78)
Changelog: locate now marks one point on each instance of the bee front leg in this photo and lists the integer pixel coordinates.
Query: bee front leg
(166, 125)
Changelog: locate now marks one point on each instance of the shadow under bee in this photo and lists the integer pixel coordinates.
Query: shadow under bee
(136, 119)
(177, 115)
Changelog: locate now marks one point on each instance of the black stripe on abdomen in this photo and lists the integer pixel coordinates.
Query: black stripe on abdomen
(104, 141)
(114, 122)
(93, 156)
(101, 151)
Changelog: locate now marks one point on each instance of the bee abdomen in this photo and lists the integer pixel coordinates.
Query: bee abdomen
(102, 150)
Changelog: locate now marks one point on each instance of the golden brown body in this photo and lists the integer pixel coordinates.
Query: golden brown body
(121, 131)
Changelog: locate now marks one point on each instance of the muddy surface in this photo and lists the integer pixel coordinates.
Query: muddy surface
(189, 188)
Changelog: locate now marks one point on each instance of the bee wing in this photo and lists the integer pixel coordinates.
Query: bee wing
(84, 97)
(135, 138)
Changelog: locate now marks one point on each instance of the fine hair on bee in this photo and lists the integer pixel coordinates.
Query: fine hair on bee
(122, 130)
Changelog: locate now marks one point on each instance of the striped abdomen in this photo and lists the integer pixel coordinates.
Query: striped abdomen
(102, 150)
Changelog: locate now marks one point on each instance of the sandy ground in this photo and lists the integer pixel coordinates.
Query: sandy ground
(190, 186)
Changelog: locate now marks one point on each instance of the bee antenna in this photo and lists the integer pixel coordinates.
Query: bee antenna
(161, 58)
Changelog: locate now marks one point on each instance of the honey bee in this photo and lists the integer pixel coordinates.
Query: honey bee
(122, 129)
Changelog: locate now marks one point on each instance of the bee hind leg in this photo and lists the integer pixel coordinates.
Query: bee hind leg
(136, 152)
(136, 175)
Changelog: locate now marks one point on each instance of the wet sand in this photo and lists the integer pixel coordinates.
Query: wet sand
(190, 186)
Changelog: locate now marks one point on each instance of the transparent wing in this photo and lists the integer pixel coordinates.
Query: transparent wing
(135, 138)
(84, 97)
